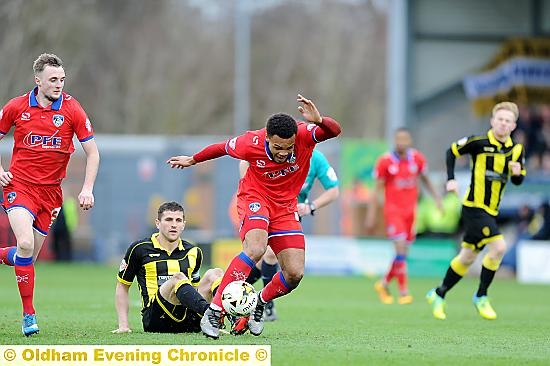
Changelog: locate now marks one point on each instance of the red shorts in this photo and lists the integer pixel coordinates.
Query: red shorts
(400, 225)
(42, 202)
(283, 226)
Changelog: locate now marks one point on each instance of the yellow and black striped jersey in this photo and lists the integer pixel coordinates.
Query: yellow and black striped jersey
(153, 265)
(490, 171)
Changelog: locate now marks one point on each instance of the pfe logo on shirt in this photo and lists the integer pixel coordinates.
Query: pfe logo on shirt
(58, 120)
(11, 197)
(254, 206)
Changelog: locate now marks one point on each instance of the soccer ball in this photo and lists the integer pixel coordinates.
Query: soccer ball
(239, 298)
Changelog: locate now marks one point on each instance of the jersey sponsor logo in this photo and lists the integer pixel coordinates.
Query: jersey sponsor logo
(255, 140)
(488, 149)
(282, 172)
(58, 120)
(260, 163)
(233, 143)
(47, 141)
(495, 177)
(123, 265)
(11, 197)
(254, 206)
(154, 255)
(25, 116)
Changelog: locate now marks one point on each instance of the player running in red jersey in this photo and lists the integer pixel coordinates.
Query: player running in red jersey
(279, 157)
(397, 174)
(44, 121)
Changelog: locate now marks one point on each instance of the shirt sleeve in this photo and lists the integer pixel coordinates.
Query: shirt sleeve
(129, 266)
(466, 145)
(381, 169)
(422, 163)
(325, 173)
(6, 118)
(81, 123)
(238, 147)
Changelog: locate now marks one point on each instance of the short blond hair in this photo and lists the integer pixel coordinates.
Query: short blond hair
(46, 59)
(507, 106)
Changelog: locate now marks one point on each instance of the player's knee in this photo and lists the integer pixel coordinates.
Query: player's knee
(213, 274)
(179, 276)
(293, 278)
(26, 245)
(270, 257)
(255, 252)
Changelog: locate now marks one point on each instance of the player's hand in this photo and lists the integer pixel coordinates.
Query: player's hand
(309, 110)
(514, 167)
(121, 330)
(370, 223)
(452, 186)
(86, 199)
(180, 162)
(303, 209)
(5, 177)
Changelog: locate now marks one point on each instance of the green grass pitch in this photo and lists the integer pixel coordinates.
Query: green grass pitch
(326, 321)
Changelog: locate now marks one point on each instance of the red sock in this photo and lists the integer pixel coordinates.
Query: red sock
(401, 274)
(276, 288)
(25, 282)
(391, 273)
(7, 256)
(238, 270)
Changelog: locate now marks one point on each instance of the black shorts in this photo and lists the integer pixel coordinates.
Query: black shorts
(480, 228)
(163, 317)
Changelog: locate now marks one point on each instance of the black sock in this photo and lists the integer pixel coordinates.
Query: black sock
(268, 271)
(191, 299)
(485, 280)
(254, 275)
(451, 278)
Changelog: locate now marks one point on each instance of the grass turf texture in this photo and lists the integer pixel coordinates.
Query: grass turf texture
(326, 321)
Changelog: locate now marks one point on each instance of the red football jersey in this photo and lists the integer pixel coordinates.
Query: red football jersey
(400, 177)
(43, 137)
(280, 182)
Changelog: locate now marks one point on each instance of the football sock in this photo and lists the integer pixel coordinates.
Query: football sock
(254, 275)
(7, 256)
(456, 271)
(488, 270)
(191, 299)
(24, 273)
(400, 264)
(238, 270)
(390, 274)
(268, 271)
(276, 288)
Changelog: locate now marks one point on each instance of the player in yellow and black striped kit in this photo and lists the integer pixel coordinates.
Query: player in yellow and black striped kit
(495, 158)
(174, 297)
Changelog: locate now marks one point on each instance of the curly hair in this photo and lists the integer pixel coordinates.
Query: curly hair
(281, 125)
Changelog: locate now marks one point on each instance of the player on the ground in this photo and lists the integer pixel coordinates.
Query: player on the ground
(279, 157)
(44, 120)
(397, 174)
(495, 158)
(174, 296)
(321, 170)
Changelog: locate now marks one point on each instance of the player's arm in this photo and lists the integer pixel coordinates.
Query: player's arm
(243, 167)
(210, 152)
(122, 307)
(465, 145)
(330, 193)
(517, 165)
(86, 196)
(372, 210)
(426, 181)
(328, 127)
(5, 125)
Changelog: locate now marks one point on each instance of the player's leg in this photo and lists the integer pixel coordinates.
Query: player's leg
(7, 255)
(401, 253)
(21, 221)
(396, 231)
(254, 246)
(269, 268)
(256, 273)
(491, 261)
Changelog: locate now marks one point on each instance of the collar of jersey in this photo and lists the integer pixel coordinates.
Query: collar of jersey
(493, 140)
(157, 245)
(33, 102)
(396, 157)
(270, 155)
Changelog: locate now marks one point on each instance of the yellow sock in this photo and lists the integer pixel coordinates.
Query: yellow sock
(491, 263)
(459, 267)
